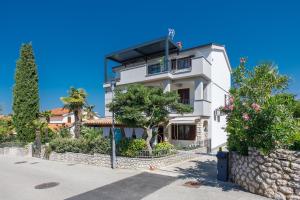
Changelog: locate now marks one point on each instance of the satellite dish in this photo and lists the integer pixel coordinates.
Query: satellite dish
(171, 33)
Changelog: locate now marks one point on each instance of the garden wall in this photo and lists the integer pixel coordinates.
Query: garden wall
(276, 175)
(122, 162)
(16, 151)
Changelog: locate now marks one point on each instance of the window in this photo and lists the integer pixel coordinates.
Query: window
(69, 120)
(154, 69)
(173, 64)
(184, 63)
(205, 126)
(183, 132)
(184, 95)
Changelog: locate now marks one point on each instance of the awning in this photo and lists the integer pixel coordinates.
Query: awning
(184, 120)
(154, 47)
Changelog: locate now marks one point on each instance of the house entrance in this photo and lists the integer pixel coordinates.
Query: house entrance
(160, 134)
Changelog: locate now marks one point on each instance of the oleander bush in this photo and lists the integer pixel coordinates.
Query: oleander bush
(259, 112)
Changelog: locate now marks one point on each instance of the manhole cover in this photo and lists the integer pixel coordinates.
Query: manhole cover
(21, 162)
(46, 185)
(192, 184)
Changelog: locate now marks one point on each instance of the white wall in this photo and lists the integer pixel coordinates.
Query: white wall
(219, 87)
(64, 119)
(108, 98)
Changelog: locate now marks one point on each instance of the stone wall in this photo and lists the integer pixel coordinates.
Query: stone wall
(122, 162)
(16, 151)
(276, 175)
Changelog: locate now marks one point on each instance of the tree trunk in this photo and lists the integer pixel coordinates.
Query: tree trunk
(46, 133)
(77, 124)
(37, 144)
(149, 137)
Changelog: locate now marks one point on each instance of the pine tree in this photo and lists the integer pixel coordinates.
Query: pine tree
(25, 94)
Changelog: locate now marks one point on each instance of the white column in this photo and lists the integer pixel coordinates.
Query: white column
(167, 85)
(198, 89)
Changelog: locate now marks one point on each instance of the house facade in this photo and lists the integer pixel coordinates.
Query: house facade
(61, 118)
(200, 75)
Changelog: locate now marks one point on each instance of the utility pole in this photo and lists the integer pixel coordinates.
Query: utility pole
(113, 142)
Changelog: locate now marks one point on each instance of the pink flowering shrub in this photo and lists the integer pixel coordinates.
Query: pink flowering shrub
(259, 113)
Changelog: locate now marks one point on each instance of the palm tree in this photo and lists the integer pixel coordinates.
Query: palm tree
(75, 102)
(46, 115)
(40, 126)
(89, 109)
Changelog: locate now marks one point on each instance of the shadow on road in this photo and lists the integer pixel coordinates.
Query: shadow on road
(205, 172)
(132, 188)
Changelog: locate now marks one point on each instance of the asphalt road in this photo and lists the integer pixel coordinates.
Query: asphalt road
(36, 179)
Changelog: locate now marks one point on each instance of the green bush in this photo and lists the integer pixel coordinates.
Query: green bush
(6, 130)
(131, 147)
(296, 142)
(51, 136)
(163, 148)
(99, 145)
(91, 133)
(64, 133)
(81, 145)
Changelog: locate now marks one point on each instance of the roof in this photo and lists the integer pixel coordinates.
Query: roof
(154, 47)
(107, 121)
(5, 117)
(56, 126)
(59, 111)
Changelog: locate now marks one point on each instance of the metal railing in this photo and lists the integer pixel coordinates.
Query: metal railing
(199, 144)
(155, 154)
(184, 101)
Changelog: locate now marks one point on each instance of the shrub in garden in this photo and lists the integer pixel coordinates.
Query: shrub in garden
(131, 147)
(81, 145)
(259, 113)
(163, 148)
(6, 130)
(64, 133)
(91, 133)
(295, 140)
(100, 145)
(49, 136)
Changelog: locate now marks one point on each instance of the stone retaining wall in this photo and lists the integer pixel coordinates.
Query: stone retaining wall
(122, 162)
(276, 175)
(16, 151)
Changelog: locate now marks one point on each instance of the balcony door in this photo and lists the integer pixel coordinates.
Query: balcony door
(184, 95)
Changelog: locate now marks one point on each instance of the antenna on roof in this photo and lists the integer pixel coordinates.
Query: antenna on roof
(171, 33)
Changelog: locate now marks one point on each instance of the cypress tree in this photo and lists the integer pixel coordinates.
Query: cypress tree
(25, 94)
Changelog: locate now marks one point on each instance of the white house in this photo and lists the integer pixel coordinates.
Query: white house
(61, 118)
(200, 75)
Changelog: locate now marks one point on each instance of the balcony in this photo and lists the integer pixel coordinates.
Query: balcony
(141, 73)
(200, 108)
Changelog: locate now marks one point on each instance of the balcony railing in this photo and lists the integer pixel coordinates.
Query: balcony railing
(184, 101)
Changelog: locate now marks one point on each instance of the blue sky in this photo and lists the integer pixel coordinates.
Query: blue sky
(71, 37)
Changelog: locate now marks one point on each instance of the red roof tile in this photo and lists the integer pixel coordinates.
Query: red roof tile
(59, 111)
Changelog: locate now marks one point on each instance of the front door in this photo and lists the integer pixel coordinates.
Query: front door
(160, 134)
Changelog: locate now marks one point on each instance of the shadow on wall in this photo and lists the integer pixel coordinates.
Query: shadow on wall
(205, 172)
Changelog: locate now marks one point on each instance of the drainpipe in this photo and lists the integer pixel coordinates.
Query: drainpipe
(166, 67)
(113, 142)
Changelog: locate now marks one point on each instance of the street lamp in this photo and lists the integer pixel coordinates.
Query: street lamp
(113, 142)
